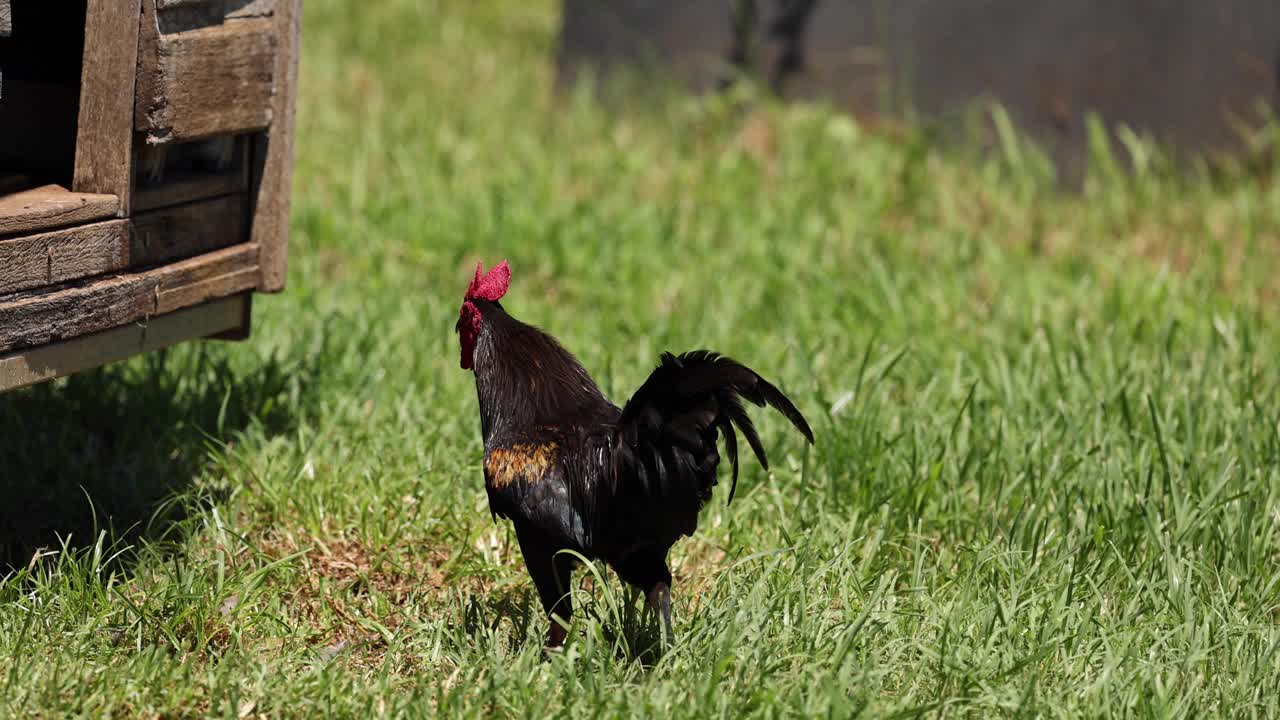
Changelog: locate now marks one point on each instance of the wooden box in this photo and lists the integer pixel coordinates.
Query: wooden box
(145, 155)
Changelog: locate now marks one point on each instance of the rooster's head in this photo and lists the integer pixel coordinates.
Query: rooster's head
(487, 286)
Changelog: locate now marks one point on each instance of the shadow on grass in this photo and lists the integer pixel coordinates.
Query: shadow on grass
(113, 450)
(485, 611)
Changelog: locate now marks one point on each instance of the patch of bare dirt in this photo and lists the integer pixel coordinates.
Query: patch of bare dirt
(351, 597)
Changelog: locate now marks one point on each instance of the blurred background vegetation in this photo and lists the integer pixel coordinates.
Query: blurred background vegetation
(1046, 479)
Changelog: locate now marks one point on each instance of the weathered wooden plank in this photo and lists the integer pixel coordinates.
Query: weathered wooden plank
(198, 292)
(220, 318)
(189, 188)
(241, 331)
(186, 230)
(52, 206)
(210, 265)
(215, 80)
(6, 19)
(228, 8)
(239, 9)
(61, 255)
(181, 15)
(104, 134)
(274, 152)
(31, 320)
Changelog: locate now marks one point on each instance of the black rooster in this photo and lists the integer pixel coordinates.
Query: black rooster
(572, 471)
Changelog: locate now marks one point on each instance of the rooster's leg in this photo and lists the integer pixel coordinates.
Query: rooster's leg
(551, 574)
(660, 600)
(646, 568)
(557, 633)
(633, 593)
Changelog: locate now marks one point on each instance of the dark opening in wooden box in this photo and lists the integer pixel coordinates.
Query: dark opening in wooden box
(145, 156)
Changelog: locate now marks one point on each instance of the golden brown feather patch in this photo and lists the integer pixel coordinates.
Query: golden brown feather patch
(504, 465)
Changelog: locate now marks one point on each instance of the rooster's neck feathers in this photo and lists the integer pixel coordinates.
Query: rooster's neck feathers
(524, 378)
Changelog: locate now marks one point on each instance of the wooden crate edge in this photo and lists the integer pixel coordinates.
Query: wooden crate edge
(72, 312)
(223, 318)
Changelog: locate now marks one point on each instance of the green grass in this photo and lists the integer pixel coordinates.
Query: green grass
(1046, 478)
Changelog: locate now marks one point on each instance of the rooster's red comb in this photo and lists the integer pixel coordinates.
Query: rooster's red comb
(490, 285)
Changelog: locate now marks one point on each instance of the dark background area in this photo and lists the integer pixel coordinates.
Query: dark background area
(1192, 74)
(40, 90)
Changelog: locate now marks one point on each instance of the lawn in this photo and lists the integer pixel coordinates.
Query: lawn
(1046, 478)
